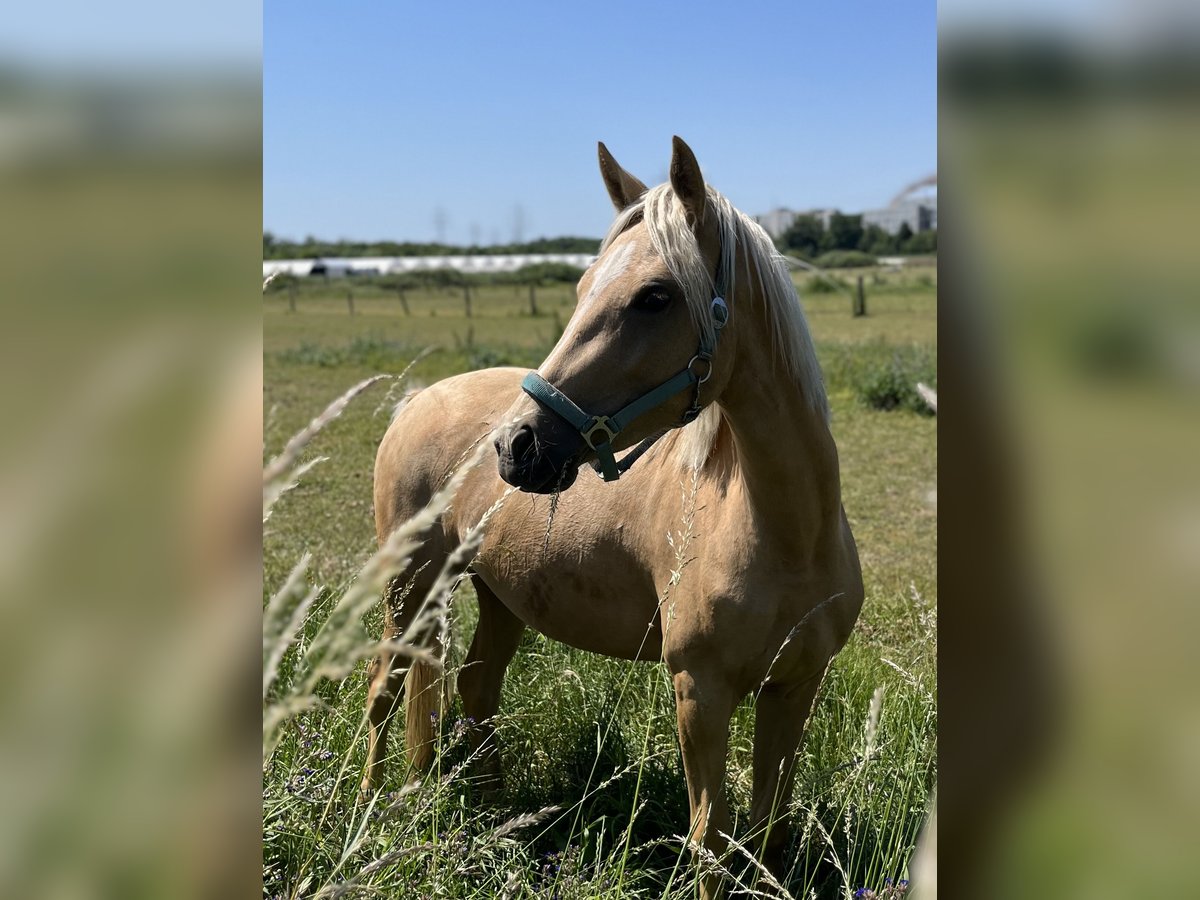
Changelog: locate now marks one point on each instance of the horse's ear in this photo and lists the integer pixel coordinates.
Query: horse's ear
(687, 182)
(623, 188)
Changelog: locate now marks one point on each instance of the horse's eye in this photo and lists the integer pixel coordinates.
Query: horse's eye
(651, 300)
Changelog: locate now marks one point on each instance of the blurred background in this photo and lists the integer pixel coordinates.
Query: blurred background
(1069, 559)
(130, 383)
(129, 331)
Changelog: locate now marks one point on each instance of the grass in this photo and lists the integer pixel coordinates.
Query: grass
(590, 738)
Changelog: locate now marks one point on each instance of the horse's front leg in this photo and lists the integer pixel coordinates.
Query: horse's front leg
(704, 705)
(497, 637)
(780, 712)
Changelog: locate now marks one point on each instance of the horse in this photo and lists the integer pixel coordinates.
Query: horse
(689, 335)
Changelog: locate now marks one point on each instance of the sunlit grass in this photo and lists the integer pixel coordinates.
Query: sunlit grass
(590, 747)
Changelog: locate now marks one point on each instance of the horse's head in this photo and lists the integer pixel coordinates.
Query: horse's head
(638, 352)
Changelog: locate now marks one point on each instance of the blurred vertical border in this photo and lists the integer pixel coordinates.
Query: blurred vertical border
(1069, 491)
(130, 383)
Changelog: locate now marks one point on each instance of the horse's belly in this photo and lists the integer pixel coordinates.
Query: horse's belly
(588, 607)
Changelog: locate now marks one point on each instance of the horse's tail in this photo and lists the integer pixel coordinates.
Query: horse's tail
(423, 707)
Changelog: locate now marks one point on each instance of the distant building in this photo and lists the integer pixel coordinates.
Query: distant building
(919, 213)
(777, 221)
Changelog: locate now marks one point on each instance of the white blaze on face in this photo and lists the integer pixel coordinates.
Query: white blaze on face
(608, 270)
(604, 272)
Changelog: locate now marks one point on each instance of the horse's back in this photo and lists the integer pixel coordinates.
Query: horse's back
(432, 434)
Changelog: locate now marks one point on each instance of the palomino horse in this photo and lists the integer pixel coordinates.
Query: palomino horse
(687, 330)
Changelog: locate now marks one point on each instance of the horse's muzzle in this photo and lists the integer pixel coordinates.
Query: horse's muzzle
(533, 464)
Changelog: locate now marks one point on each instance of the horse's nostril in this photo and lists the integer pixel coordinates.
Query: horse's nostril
(521, 443)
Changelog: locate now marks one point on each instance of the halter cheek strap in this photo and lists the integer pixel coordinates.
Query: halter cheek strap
(599, 432)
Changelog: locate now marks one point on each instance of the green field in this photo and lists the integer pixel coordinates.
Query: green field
(592, 736)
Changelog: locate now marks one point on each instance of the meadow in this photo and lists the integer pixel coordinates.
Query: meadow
(594, 801)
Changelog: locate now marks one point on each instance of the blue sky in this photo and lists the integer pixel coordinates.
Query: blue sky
(378, 116)
(132, 35)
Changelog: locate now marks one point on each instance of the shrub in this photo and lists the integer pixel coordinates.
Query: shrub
(546, 273)
(882, 376)
(824, 284)
(889, 386)
(844, 259)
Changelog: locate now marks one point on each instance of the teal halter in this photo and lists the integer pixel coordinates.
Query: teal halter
(599, 432)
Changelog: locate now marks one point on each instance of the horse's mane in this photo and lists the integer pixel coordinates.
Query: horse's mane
(673, 240)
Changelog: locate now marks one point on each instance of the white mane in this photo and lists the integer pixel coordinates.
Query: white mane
(673, 240)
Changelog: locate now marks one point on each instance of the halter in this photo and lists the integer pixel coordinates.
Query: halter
(598, 432)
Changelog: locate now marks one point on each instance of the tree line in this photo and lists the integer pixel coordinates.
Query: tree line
(809, 238)
(314, 248)
(539, 274)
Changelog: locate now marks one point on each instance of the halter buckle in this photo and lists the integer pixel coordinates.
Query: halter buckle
(600, 423)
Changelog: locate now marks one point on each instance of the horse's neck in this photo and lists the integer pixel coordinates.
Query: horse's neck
(785, 454)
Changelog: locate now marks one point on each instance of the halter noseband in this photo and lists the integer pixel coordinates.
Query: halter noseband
(599, 432)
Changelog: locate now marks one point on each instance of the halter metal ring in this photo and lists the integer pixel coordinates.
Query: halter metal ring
(702, 357)
(600, 424)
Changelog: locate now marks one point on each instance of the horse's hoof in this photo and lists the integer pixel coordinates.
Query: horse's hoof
(366, 794)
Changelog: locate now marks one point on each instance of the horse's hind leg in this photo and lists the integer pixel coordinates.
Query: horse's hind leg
(387, 671)
(780, 712)
(492, 648)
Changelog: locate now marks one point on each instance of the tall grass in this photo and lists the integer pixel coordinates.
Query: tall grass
(594, 803)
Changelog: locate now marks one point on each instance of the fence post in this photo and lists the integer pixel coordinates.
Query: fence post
(467, 298)
(532, 299)
(403, 301)
(860, 299)
(350, 300)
